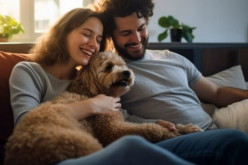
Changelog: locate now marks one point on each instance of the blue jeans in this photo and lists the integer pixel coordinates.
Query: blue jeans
(210, 147)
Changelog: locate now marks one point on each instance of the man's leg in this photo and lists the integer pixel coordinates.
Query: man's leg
(129, 150)
(223, 146)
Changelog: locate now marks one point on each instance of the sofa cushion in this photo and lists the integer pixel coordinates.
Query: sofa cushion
(7, 62)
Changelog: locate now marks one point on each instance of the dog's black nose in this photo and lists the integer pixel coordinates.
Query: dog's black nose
(126, 73)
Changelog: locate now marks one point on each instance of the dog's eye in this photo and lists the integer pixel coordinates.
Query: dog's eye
(109, 67)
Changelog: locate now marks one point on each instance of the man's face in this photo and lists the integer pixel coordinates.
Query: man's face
(131, 36)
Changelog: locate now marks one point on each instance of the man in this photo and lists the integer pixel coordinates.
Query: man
(167, 86)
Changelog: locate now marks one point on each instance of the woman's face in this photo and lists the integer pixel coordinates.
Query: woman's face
(84, 41)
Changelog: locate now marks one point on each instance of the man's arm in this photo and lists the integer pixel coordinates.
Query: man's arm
(137, 119)
(210, 92)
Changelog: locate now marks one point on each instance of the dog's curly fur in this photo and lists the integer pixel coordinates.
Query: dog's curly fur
(49, 133)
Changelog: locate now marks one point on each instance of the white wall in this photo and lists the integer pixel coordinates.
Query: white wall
(215, 20)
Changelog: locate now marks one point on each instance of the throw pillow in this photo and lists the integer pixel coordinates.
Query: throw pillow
(235, 115)
(232, 77)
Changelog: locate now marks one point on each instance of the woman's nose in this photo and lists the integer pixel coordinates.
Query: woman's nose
(93, 43)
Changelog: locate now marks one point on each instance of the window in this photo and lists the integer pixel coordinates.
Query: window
(37, 16)
(10, 7)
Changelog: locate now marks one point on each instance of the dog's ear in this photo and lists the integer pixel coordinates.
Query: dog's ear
(88, 80)
(84, 83)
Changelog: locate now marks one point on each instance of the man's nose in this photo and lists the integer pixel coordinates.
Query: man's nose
(136, 37)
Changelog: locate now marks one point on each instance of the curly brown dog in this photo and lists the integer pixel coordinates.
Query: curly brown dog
(49, 133)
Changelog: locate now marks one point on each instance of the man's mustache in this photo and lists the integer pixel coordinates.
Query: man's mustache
(130, 44)
(133, 44)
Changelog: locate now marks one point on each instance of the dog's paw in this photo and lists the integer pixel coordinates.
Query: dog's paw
(170, 134)
(189, 128)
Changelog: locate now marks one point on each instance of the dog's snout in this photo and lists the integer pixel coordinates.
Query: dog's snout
(126, 73)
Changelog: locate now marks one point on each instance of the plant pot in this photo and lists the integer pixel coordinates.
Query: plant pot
(176, 35)
(5, 38)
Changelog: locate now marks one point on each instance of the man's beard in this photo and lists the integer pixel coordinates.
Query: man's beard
(137, 55)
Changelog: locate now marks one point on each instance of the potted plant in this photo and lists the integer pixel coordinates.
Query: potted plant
(9, 27)
(177, 30)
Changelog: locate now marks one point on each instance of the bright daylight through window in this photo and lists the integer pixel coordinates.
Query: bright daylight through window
(37, 16)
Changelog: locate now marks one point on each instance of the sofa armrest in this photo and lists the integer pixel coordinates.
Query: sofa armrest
(7, 62)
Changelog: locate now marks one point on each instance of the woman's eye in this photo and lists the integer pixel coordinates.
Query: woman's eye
(87, 35)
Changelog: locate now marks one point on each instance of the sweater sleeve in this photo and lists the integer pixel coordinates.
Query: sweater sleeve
(25, 90)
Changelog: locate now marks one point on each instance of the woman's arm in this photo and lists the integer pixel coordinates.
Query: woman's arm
(25, 90)
(30, 86)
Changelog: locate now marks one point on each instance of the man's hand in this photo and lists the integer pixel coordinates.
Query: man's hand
(167, 125)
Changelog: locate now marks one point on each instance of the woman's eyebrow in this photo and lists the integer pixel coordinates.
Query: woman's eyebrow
(88, 30)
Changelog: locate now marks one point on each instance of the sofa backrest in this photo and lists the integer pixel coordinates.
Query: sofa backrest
(7, 62)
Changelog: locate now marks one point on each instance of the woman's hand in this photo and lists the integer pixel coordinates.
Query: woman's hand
(100, 104)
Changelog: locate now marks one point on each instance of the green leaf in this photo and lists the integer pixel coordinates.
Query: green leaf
(163, 35)
(188, 36)
(173, 22)
(9, 26)
(188, 33)
(1, 20)
(163, 21)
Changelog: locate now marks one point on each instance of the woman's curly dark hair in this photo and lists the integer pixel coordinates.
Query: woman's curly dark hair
(122, 8)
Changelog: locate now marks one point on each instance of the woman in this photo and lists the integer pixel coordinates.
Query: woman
(71, 42)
